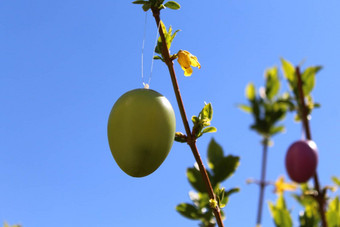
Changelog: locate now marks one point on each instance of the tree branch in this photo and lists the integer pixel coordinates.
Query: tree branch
(191, 140)
(303, 115)
(262, 183)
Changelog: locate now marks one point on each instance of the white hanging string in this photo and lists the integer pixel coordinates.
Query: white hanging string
(153, 55)
(146, 17)
(146, 85)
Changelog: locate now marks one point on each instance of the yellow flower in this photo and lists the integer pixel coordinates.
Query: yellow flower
(186, 60)
(281, 186)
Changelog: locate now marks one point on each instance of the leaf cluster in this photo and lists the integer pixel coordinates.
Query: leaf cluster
(158, 4)
(202, 121)
(7, 225)
(169, 37)
(267, 107)
(280, 213)
(221, 167)
(333, 213)
(308, 84)
(309, 216)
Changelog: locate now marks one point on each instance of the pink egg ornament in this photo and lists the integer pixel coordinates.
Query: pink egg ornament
(301, 160)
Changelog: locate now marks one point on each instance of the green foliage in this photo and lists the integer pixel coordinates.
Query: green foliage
(336, 180)
(221, 167)
(189, 211)
(157, 4)
(280, 213)
(289, 72)
(202, 121)
(169, 37)
(272, 83)
(310, 216)
(146, 5)
(308, 84)
(7, 225)
(333, 213)
(251, 92)
(215, 153)
(172, 5)
(267, 107)
(195, 179)
(224, 168)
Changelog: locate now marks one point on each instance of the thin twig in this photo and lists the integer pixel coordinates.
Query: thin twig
(262, 183)
(303, 112)
(191, 140)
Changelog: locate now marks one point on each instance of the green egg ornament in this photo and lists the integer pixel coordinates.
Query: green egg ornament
(141, 131)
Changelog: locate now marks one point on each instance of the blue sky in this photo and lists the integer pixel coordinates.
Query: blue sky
(63, 64)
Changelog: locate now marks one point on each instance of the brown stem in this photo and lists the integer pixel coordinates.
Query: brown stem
(262, 183)
(303, 114)
(191, 139)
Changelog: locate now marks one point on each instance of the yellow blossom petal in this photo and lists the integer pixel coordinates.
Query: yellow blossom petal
(183, 58)
(187, 71)
(281, 186)
(194, 61)
(186, 60)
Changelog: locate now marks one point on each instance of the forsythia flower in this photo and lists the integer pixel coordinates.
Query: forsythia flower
(281, 186)
(186, 60)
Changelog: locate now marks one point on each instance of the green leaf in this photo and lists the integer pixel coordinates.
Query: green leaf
(307, 220)
(172, 5)
(158, 48)
(169, 36)
(223, 202)
(276, 129)
(308, 78)
(250, 92)
(336, 180)
(139, 2)
(146, 6)
(310, 216)
(189, 211)
(209, 130)
(272, 82)
(221, 198)
(203, 120)
(207, 112)
(245, 108)
(333, 213)
(256, 109)
(215, 153)
(163, 29)
(280, 213)
(225, 167)
(195, 178)
(231, 191)
(203, 200)
(317, 105)
(194, 119)
(288, 71)
(157, 57)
